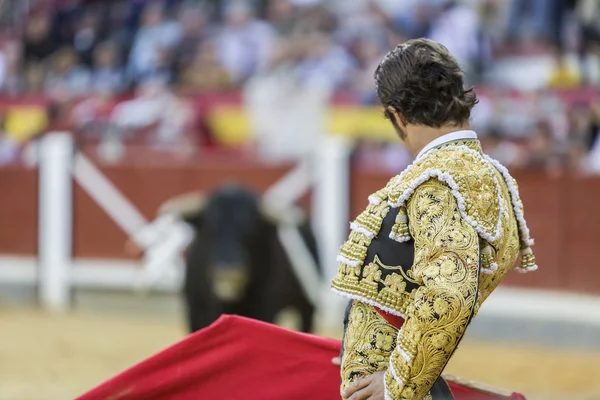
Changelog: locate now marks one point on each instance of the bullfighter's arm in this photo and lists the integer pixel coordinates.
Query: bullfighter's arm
(447, 263)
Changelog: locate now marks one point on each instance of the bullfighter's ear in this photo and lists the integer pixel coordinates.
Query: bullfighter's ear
(286, 215)
(185, 205)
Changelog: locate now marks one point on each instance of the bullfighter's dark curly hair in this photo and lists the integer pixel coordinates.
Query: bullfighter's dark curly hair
(422, 81)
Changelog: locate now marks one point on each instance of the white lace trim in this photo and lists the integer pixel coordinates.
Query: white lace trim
(491, 270)
(361, 229)
(404, 354)
(369, 302)
(524, 270)
(449, 180)
(386, 392)
(399, 381)
(399, 238)
(351, 263)
(373, 200)
(514, 196)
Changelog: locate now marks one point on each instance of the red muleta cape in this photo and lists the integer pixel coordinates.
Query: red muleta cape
(238, 358)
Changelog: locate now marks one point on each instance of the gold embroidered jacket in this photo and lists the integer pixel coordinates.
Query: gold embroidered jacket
(430, 247)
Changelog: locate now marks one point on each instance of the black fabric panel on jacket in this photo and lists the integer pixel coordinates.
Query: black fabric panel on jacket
(390, 252)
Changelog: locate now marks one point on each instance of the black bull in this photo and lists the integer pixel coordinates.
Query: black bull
(237, 265)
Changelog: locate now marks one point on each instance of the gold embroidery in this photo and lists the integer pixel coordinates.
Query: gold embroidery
(504, 250)
(445, 264)
(476, 180)
(354, 250)
(405, 275)
(400, 231)
(475, 177)
(447, 251)
(368, 343)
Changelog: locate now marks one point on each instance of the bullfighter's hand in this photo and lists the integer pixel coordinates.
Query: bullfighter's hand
(336, 361)
(368, 388)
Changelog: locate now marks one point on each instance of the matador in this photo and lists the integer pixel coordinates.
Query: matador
(433, 244)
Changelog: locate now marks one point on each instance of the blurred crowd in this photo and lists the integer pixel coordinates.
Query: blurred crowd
(539, 131)
(80, 46)
(128, 68)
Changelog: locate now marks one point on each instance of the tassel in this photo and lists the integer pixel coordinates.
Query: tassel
(488, 265)
(400, 232)
(527, 261)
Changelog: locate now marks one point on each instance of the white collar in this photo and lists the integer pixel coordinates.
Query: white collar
(448, 137)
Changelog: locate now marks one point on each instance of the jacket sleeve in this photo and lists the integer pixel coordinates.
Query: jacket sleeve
(446, 265)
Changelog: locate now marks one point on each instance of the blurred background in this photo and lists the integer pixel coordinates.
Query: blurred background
(108, 109)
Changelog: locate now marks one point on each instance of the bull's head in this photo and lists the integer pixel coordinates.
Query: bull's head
(231, 227)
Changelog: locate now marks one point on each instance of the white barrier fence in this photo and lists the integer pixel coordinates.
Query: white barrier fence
(56, 272)
(55, 220)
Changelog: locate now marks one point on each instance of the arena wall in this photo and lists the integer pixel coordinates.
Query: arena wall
(561, 211)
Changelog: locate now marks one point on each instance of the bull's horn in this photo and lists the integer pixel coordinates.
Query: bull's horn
(288, 214)
(183, 205)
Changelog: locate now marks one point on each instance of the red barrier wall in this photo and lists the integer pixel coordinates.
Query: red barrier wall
(561, 211)
(18, 211)
(147, 188)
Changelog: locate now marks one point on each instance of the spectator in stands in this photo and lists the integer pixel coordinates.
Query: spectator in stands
(542, 18)
(66, 79)
(314, 16)
(205, 74)
(505, 151)
(11, 81)
(457, 28)
(245, 44)
(594, 131)
(324, 63)
(90, 118)
(86, 37)
(193, 33)
(564, 75)
(283, 15)
(414, 18)
(485, 114)
(368, 54)
(38, 46)
(546, 105)
(588, 13)
(116, 30)
(361, 17)
(107, 73)
(542, 151)
(153, 43)
(492, 19)
(156, 115)
(65, 16)
(579, 137)
(592, 161)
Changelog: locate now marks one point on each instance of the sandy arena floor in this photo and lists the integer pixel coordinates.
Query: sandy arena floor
(44, 357)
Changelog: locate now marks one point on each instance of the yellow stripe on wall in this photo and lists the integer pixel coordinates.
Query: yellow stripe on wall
(231, 125)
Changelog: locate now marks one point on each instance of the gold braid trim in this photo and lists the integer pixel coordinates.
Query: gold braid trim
(486, 201)
(392, 298)
(364, 228)
(369, 341)
(528, 263)
(348, 280)
(472, 180)
(447, 262)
